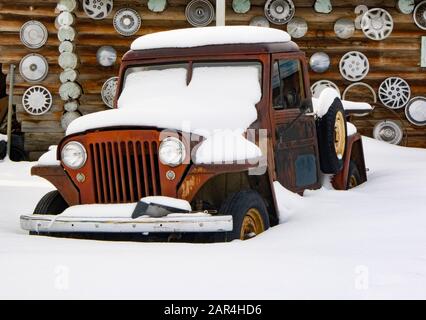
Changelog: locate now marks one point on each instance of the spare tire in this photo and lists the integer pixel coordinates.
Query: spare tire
(332, 138)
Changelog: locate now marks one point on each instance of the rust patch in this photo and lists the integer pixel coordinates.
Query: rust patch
(190, 183)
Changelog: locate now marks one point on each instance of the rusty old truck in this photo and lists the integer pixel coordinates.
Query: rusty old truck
(139, 169)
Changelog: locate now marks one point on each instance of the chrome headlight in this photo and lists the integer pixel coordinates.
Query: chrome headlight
(172, 152)
(74, 155)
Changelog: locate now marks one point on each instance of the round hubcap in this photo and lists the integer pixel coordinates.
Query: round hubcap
(252, 224)
(339, 135)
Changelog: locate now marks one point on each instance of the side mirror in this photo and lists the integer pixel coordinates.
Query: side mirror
(306, 106)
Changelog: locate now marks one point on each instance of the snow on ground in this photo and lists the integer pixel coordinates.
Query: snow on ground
(366, 243)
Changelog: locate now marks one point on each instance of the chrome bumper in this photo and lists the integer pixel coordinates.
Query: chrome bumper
(181, 223)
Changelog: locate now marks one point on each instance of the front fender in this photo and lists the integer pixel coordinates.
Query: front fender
(57, 176)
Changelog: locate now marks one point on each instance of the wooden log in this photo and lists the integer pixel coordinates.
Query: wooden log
(66, 34)
(66, 5)
(41, 141)
(70, 91)
(66, 46)
(68, 75)
(157, 5)
(49, 116)
(41, 126)
(68, 60)
(71, 106)
(69, 117)
(64, 19)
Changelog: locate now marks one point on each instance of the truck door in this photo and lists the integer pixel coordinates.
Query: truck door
(295, 141)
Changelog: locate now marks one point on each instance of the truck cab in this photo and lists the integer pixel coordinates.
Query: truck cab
(206, 122)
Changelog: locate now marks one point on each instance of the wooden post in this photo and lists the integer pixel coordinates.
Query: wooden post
(10, 109)
(220, 12)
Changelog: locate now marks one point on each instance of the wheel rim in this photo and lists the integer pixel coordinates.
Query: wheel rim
(352, 182)
(339, 135)
(252, 224)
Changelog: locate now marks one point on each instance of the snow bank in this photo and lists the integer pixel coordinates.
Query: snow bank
(195, 37)
(288, 202)
(365, 243)
(49, 158)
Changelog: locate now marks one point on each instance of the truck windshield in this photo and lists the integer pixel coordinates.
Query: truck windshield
(168, 80)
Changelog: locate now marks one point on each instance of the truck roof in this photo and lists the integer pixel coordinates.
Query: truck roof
(211, 40)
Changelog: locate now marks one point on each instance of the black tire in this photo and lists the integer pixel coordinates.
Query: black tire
(3, 149)
(354, 178)
(51, 203)
(329, 161)
(238, 205)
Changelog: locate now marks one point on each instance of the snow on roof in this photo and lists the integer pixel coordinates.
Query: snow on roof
(196, 37)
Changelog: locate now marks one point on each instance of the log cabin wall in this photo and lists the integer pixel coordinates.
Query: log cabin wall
(398, 55)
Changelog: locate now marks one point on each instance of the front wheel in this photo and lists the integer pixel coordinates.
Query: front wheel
(51, 203)
(249, 213)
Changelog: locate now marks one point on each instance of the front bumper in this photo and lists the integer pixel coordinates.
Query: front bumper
(168, 224)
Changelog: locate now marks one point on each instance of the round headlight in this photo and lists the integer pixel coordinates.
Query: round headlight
(172, 152)
(74, 155)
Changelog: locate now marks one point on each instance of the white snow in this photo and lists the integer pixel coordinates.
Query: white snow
(168, 202)
(120, 210)
(49, 158)
(226, 146)
(366, 243)
(356, 106)
(216, 98)
(351, 129)
(100, 211)
(326, 98)
(195, 37)
(323, 103)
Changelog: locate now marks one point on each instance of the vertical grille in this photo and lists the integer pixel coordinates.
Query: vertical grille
(124, 171)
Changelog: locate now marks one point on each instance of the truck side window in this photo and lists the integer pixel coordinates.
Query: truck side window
(277, 98)
(291, 83)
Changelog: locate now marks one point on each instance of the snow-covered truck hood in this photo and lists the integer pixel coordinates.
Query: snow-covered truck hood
(220, 98)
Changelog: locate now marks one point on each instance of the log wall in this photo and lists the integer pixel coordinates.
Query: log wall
(399, 55)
